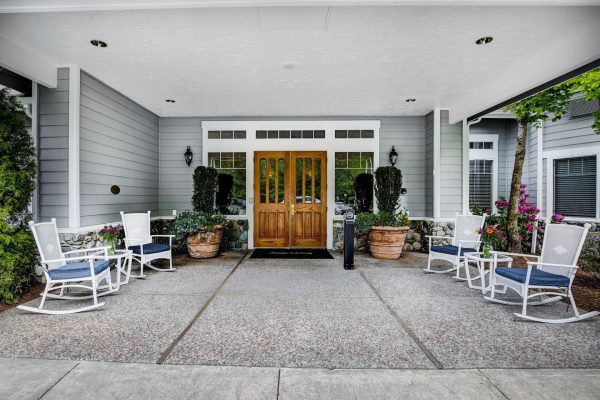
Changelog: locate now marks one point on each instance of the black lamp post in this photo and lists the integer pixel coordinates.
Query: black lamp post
(393, 156)
(189, 156)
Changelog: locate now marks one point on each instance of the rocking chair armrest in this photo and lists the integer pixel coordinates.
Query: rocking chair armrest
(88, 257)
(169, 236)
(431, 237)
(542, 264)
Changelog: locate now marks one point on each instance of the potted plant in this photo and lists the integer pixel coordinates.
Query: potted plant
(202, 229)
(388, 232)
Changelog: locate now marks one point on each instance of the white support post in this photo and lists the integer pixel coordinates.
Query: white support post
(74, 101)
(35, 201)
(437, 144)
(540, 169)
(465, 167)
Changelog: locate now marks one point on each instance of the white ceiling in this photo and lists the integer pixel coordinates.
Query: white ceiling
(350, 61)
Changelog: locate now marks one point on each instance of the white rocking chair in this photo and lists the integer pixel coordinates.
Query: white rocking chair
(466, 240)
(141, 242)
(551, 274)
(68, 270)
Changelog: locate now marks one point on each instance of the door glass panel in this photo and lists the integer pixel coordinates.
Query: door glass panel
(226, 160)
(308, 191)
(281, 188)
(317, 180)
(298, 180)
(354, 160)
(262, 165)
(271, 183)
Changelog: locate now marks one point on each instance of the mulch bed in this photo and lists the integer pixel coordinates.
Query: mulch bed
(586, 288)
(31, 293)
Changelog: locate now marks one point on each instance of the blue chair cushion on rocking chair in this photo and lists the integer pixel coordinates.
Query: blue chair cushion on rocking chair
(150, 248)
(537, 278)
(77, 270)
(452, 250)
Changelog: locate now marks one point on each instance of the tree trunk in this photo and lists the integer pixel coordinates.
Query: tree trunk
(514, 239)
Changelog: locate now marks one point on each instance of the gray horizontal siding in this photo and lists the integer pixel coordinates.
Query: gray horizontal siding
(118, 146)
(175, 176)
(408, 135)
(570, 133)
(53, 147)
(450, 167)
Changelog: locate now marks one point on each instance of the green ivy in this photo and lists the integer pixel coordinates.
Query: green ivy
(17, 182)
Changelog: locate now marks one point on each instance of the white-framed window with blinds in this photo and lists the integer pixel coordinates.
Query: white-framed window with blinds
(571, 182)
(575, 186)
(483, 171)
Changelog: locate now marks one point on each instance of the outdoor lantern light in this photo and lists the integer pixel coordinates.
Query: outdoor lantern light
(393, 156)
(189, 156)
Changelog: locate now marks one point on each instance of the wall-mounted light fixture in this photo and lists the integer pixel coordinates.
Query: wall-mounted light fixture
(393, 156)
(189, 156)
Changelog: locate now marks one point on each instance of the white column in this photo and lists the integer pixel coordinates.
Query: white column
(437, 146)
(540, 168)
(465, 167)
(74, 199)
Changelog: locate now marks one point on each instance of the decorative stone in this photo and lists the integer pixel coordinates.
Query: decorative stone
(417, 236)
(416, 246)
(410, 235)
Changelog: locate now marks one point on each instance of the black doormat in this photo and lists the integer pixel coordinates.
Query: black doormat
(313, 254)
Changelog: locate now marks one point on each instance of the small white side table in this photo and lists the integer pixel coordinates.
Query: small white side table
(481, 263)
(123, 264)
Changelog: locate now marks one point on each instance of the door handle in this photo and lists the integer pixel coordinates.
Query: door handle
(292, 209)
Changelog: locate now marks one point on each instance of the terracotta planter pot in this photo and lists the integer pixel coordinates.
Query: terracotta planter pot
(386, 242)
(205, 244)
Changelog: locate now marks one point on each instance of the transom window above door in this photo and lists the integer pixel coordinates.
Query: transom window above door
(290, 134)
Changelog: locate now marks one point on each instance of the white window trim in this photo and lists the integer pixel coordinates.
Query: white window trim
(330, 144)
(550, 156)
(487, 154)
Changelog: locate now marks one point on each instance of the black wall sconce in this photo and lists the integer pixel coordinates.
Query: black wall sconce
(189, 156)
(393, 156)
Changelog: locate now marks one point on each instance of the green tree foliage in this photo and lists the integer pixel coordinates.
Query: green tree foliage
(17, 182)
(205, 186)
(549, 104)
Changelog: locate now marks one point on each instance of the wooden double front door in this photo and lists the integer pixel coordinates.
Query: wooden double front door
(290, 198)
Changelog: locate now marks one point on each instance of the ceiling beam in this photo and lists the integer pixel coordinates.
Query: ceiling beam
(25, 6)
(27, 63)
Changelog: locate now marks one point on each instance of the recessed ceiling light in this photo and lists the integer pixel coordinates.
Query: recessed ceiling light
(484, 40)
(170, 101)
(98, 43)
(289, 65)
(410, 100)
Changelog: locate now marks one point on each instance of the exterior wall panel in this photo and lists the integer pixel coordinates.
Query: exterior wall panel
(450, 167)
(53, 131)
(118, 146)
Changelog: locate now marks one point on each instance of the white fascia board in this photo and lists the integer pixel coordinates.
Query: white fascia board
(27, 63)
(576, 50)
(23, 6)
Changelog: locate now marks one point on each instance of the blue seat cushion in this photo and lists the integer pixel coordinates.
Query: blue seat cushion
(150, 248)
(77, 270)
(452, 250)
(538, 277)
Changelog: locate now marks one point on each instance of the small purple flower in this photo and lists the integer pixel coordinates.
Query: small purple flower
(529, 227)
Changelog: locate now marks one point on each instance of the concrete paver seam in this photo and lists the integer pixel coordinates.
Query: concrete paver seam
(165, 354)
(492, 383)
(405, 327)
(58, 381)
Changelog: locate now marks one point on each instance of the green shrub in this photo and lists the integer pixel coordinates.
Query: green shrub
(205, 186)
(364, 221)
(17, 182)
(589, 260)
(189, 222)
(388, 188)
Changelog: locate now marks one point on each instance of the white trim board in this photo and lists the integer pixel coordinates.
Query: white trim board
(330, 144)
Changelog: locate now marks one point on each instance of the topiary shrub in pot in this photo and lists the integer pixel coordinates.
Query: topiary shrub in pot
(387, 233)
(203, 228)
